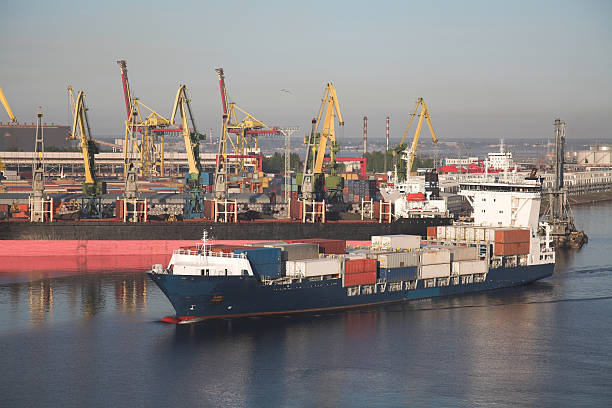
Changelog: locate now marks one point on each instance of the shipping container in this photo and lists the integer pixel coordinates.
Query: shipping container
(314, 267)
(435, 256)
(359, 278)
(432, 232)
(435, 271)
(398, 274)
(511, 236)
(360, 265)
(396, 259)
(469, 267)
(479, 234)
(463, 253)
(263, 244)
(515, 248)
(326, 246)
(257, 255)
(297, 250)
(397, 241)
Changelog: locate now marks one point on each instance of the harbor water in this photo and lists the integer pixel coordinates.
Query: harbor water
(94, 339)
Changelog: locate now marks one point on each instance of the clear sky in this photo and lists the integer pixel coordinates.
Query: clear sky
(485, 68)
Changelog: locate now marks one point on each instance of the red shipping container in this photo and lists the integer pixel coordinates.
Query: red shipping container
(510, 236)
(360, 278)
(360, 265)
(4, 208)
(432, 232)
(327, 246)
(514, 248)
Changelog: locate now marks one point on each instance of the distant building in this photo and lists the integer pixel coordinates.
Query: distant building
(21, 137)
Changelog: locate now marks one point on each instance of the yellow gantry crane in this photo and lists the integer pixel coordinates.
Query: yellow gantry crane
(312, 183)
(410, 154)
(7, 107)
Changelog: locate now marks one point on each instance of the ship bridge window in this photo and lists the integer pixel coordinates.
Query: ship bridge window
(245, 272)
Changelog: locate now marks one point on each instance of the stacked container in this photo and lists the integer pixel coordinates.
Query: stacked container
(469, 267)
(266, 262)
(435, 263)
(297, 250)
(397, 241)
(511, 242)
(326, 246)
(359, 272)
(314, 267)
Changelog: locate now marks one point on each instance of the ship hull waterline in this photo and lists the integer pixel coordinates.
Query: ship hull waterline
(197, 298)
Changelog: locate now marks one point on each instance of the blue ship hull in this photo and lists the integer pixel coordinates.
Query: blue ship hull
(203, 297)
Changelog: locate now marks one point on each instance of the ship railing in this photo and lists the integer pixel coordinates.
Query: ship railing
(182, 251)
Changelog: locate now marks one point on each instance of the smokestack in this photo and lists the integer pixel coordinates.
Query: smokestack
(365, 135)
(387, 136)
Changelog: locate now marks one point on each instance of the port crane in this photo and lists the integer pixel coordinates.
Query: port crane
(91, 206)
(150, 126)
(194, 204)
(423, 113)
(241, 129)
(7, 107)
(313, 178)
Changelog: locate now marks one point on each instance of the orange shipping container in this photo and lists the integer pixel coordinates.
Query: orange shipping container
(510, 236)
(514, 248)
(360, 265)
(360, 278)
(431, 232)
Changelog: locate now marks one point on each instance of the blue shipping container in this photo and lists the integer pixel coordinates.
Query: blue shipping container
(266, 262)
(398, 274)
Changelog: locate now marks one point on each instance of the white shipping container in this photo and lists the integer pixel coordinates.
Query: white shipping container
(460, 233)
(435, 256)
(450, 232)
(469, 267)
(398, 259)
(469, 234)
(435, 271)
(479, 234)
(397, 241)
(440, 231)
(463, 253)
(314, 267)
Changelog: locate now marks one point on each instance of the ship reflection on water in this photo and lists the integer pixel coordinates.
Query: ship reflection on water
(72, 296)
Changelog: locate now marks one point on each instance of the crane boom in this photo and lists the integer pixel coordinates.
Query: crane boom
(7, 107)
(410, 154)
(191, 138)
(330, 104)
(81, 131)
(126, 87)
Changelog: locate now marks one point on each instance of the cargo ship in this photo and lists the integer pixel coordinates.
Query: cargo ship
(504, 246)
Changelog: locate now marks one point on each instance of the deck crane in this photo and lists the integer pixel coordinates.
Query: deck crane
(7, 107)
(92, 187)
(313, 178)
(194, 203)
(242, 124)
(410, 154)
